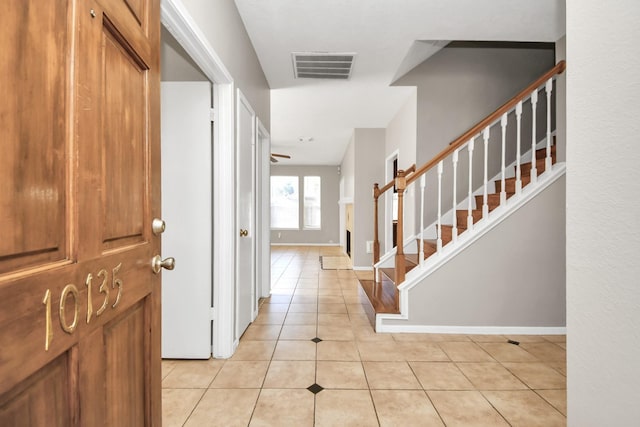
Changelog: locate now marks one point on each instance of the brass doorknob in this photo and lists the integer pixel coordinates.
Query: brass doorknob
(157, 226)
(244, 233)
(157, 264)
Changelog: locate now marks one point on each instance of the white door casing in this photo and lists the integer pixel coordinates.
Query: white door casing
(263, 211)
(186, 210)
(246, 301)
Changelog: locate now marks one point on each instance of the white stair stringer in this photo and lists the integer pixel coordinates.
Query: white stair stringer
(393, 322)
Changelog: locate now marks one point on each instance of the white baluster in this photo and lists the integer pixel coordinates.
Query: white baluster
(470, 214)
(454, 230)
(534, 103)
(439, 206)
(503, 191)
(548, 89)
(518, 139)
(422, 186)
(485, 205)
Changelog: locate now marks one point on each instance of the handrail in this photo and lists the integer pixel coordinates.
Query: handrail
(464, 138)
(377, 192)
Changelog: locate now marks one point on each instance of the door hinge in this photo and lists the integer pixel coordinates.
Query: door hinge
(212, 313)
(212, 114)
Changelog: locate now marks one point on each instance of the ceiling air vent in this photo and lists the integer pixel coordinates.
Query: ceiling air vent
(322, 65)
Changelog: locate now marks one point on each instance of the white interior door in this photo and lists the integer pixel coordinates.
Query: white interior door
(245, 240)
(187, 210)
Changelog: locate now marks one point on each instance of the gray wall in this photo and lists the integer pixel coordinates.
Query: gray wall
(369, 145)
(459, 86)
(222, 25)
(603, 201)
(512, 276)
(175, 64)
(328, 234)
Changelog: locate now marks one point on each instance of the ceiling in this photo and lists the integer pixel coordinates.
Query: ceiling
(389, 38)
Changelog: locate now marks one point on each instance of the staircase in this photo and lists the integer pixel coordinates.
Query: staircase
(463, 225)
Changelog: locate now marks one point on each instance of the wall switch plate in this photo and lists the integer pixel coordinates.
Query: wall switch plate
(369, 246)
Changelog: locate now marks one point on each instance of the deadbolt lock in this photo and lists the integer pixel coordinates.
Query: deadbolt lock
(157, 226)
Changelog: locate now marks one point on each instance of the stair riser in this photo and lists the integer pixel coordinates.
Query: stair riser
(510, 184)
(493, 200)
(461, 216)
(542, 152)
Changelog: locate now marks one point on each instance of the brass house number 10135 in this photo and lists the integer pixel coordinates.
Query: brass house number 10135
(72, 290)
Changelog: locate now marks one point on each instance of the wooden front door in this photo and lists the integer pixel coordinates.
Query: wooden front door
(79, 187)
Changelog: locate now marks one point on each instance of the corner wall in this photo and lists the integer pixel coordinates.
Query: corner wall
(603, 206)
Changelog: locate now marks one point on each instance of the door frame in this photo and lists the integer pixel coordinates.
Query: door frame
(180, 24)
(388, 202)
(263, 205)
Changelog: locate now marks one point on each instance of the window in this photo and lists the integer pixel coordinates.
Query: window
(284, 202)
(312, 202)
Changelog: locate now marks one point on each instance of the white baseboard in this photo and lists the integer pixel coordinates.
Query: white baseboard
(471, 330)
(362, 268)
(305, 244)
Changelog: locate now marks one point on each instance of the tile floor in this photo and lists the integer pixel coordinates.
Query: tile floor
(365, 379)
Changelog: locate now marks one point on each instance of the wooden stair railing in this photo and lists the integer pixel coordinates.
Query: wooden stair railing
(541, 160)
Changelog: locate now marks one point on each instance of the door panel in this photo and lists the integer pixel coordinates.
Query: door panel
(245, 252)
(32, 200)
(187, 210)
(73, 316)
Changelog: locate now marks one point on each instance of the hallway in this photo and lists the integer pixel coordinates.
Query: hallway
(312, 358)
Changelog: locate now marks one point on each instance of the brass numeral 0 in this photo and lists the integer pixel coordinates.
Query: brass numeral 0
(63, 299)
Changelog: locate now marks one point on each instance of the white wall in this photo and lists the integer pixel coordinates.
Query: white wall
(221, 23)
(401, 137)
(329, 187)
(603, 206)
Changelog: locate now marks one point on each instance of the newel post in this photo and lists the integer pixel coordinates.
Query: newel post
(401, 185)
(376, 241)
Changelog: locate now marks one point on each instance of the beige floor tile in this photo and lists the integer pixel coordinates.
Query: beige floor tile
(557, 398)
(559, 366)
(448, 337)
(562, 345)
(333, 319)
(546, 352)
(380, 351)
(356, 308)
(304, 299)
(192, 373)
(295, 350)
(360, 319)
(345, 408)
(177, 404)
(301, 319)
(335, 333)
(290, 374)
(538, 375)
(270, 318)
(490, 376)
(337, 351)
(504, 352)
(365, 332)
(303, 308)
(525, 408)
(422, 351)
(465, 409)
(390, 375)
(224, 408)
(465, 352)
(241, 374)
(274, 308)
(440, 376)
(167, 366)
(331, 299)
(278, 299)
(261, 332)
(343, 375)
(330, 291)
(332, 308)
(308, 284)
(254, 350)
(555, 338)
(405, 408)
(284, 408)
(306, 291)
(487, 338)
(298, 332)
(402, 337)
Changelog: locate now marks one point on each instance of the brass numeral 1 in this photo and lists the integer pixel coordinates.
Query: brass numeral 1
(89, 297)
(48, 331)
(63, 299)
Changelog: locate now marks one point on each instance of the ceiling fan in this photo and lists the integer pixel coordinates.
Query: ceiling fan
(274, 155)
